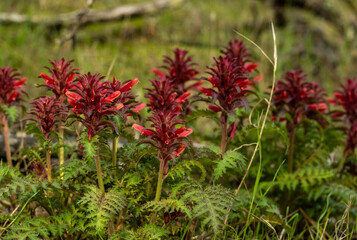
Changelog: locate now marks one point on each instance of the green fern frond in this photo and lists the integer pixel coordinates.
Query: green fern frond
(148, 232)
(100, 207)
(168, 205)
(90, 147)
(230, 160)
(11, 112)
(210, 204)
(305, 178)
(181, 169)
(29, 228)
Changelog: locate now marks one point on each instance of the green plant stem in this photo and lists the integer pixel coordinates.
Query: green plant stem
(224, 139)
(114, 154)
(291, 149)
(99, 173)
(342, 163)
(48, 161)
(160, 181)
(61, 150)
(6, 139)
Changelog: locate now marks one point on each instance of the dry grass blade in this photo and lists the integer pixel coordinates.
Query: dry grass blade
(268, 107)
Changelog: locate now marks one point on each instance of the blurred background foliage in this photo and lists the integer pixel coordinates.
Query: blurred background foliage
(317, 36)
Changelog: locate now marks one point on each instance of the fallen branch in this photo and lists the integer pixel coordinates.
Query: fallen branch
(93, 16)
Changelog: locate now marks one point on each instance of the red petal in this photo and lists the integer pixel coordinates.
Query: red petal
(195, 85)
(70, 79)
(234, 130)
(13, 96)
(129, 85)
(138, 127)
(157, 72)
(19, 83)
(251, 66)
(177, 108)
(206, 91)
(183, 132)
(48, 80)
(112, 97)
(183, 97)
(214, 108)
(212, 81)
(73, 95)
(312, 106)
(258, 78)
(179, 150)
(138, 108)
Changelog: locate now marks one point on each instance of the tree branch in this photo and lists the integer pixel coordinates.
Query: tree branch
(92, 16)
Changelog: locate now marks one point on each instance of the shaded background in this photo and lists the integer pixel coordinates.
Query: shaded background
(317, 36)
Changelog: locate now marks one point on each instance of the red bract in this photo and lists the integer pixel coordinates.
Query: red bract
(93, 98)
(295, 96)
(179, 69)
(163, 97)
(163, 134)
(229, 84)
(11, 84)
(347, 98)
(237, 50)
(127, 98)
(62, 74)
(45, 110)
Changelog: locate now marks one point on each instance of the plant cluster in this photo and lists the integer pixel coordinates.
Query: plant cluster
(171, 176)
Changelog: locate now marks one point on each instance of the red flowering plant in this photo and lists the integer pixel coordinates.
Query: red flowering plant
(229, 87)
(163, 133)
(347, 98)
(295, 99)
(45, 114)
(10, 90)
(180, 70)
(93, 101)
(59, 81)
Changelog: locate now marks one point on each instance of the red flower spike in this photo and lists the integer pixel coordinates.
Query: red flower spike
(180, 69)
(230, 81)
(45, 112)
(299, 98)
(11, 84)
(62, 74)
(237, 52)
(95, 100)
(347, 98)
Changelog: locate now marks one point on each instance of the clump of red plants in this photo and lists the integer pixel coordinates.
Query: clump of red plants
(96, 191)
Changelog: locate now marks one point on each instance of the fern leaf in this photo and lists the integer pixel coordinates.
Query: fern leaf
(230, 160)
(183, 167)
(210, 204)
(11, 112)
(100, 207)
(168, 205)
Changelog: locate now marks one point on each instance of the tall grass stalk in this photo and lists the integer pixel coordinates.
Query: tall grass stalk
(275, 63)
